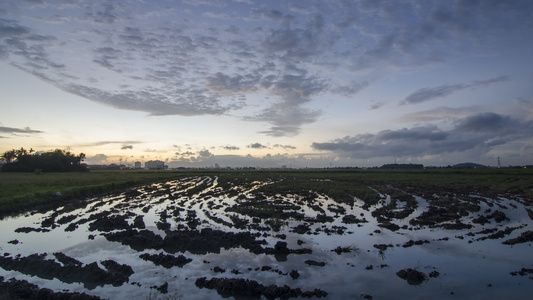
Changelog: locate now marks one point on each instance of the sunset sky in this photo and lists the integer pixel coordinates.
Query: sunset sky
(269, 83)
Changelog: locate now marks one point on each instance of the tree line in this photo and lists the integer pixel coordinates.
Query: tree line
(57, 160)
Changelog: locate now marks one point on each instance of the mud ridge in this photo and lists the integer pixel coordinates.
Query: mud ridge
(21, 289)
(244, 287)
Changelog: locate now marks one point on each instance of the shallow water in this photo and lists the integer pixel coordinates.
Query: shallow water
(469, 268)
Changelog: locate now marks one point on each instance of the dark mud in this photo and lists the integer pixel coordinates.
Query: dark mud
(412, 276)
(523, 272)
(167, 261)
(69, 270)
(30, 229)
(523, 238)
(251, 288)
(14, 289)
(202, 241)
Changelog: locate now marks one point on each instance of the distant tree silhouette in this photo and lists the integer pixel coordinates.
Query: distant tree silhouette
(52, 161)
(402, 166)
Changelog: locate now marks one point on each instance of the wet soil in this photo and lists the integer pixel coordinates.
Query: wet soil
(251, 288)
(303, 235)
(68, 269)
(412, 276)
(14, 289)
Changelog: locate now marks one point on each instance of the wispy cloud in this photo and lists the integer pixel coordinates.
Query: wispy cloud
(104, 143)
(439, 113)
(12, 130)
(286, 147)
(426, 94)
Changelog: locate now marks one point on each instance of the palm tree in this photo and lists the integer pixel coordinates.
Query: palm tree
(8, 156)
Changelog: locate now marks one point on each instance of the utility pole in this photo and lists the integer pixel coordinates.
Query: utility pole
(499, 164)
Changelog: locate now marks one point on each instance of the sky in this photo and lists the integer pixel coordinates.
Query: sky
(244, 83)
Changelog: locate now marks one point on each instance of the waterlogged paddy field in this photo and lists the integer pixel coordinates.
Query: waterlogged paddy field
(206, 238)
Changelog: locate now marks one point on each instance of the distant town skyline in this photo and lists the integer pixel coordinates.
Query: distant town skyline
(269, 83)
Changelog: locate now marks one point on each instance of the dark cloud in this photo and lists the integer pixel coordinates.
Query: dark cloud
(287, 115)
(426, 94)
(186, 153)
(439, 30)
(190, 103)
(479, 133)
(418, 133)
(204, 153)
(299, 44)
(286, 147)
(475, 16)
(256, 146)
(490, 123)
(296, 89)
(376, 105)
(225, 84)
(231, 148)
(101, 12)
(218, 3)
(105, 56)
(126, 147)
(10, 28)
(286, 119)
(270, 14)
(489, 81)
(12, 130)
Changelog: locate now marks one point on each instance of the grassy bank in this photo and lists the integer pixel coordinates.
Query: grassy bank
(21, 189)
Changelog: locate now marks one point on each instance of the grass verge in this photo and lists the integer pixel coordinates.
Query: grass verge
(18, 190)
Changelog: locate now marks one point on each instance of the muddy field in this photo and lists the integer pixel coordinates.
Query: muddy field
(201, 238)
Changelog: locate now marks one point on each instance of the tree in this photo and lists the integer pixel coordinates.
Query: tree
(9, 156)
(52, 161)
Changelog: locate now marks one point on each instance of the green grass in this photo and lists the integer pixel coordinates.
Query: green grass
(20, 189)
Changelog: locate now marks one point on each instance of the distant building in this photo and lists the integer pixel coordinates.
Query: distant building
(155, 165)
(138, 165)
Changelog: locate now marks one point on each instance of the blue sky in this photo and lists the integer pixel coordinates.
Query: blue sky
(269, 83)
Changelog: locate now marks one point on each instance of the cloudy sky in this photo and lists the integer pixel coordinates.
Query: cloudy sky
(269, 83)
